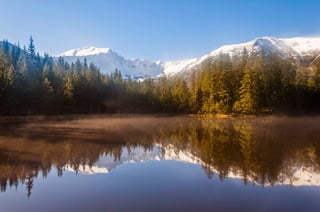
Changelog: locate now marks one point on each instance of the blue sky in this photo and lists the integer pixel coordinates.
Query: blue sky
(154, 29)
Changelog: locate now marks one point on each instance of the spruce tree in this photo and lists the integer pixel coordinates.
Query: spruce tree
(248, 102)
(31, 47)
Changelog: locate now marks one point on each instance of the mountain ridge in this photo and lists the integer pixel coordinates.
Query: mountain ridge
(298, 48)
(84, 51)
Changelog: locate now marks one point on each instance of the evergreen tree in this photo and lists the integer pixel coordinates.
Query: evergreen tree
(248, 102)
(180, 95)
(31, 48)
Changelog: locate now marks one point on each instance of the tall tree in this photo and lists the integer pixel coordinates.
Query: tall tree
(248, 102)
(31, 47)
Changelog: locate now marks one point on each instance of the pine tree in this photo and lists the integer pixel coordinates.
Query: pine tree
(180, 95)
(31, 48)
(195, 95)
(248, 102)
(69, 90)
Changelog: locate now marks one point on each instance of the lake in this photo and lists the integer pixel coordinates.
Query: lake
(156, 163)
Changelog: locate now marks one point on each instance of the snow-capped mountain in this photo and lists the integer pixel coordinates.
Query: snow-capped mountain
(290, 47)
(301, 49)
(299, 175)
(108, 61)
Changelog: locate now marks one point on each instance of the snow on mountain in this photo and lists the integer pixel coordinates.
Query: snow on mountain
(304, 46)
(296, 48)
(300, 175)
(173, 67)
(107, 60)
(285, 47)
(86, 51)
(254, 46)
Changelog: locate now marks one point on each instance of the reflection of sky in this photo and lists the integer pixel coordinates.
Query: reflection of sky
(155, 186)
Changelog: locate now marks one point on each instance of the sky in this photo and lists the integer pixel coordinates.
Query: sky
(154, 29)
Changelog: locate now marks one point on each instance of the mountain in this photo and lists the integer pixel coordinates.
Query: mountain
(108, 60)
(303, 50)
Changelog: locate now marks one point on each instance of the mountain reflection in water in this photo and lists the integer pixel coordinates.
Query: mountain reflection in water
(265, 151)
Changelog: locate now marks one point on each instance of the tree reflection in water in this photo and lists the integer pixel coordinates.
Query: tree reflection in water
(265, 151)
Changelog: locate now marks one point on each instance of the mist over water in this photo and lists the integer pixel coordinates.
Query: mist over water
(112, 162)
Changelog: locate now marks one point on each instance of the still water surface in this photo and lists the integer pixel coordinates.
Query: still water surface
(152, 163)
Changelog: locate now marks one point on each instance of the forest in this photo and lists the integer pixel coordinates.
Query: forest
(264, 83)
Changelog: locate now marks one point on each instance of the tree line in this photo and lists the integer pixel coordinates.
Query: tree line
(31, 84)
(261, 83)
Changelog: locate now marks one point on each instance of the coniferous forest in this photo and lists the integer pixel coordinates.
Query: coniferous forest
(31, 84)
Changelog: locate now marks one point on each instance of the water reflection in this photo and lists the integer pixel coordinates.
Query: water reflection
(264, 151)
